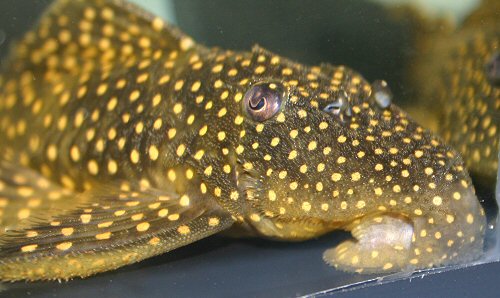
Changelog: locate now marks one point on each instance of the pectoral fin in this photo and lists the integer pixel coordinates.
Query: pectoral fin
(114, 228)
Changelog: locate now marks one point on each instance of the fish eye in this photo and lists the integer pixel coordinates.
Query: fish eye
(263, 100)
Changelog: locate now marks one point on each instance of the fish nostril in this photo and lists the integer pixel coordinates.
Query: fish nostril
(333, 108)
(340, 107)
(381, 94)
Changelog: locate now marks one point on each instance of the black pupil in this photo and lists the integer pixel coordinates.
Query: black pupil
(259, 104)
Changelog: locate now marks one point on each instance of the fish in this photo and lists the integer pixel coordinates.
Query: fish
(464, 95)
(122, 139)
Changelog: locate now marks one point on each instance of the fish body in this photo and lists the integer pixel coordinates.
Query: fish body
(123, 139)
(464, 92)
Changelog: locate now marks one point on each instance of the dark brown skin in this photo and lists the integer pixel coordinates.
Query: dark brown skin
(124, 139)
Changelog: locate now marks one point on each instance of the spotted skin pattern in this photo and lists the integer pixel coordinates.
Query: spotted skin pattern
(465, 67)
(123, 139)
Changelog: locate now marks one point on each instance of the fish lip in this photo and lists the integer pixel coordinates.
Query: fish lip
(247, 182)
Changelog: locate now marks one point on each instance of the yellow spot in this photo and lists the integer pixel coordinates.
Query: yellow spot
(180, 150)
(112, 167)
(23, 213)
(93, 167)
(29, 248)
(275, 141)
(67, 231)
(312, 145)
(173, 217)
(306, 206)
(134, 95)
(183, 230)
(437, 200)
(218, 84)
(217, 191)
(379, 167)
(105, 224)
(217, 68)
(157, 24)
(470, 218)
(163, 212)
(213, 221)
(360, 204)
(177, 108)
(153, 152)
(85, 218)
(178, 85)
(260, 69)
(343, 205)
(137, 216)
(336, 177)
(255, 217)
(154, 241)
(234, 195)
(52, 152)
(134, 156)
(355, 176)
(119, 212)
(103, 236)
(171, 133)
(184, 201)
(450, 218)
(143, 226)
(64, 245)
(393, 150)
(221, 135)
(208, 171)
(222, 112)
(272, 195)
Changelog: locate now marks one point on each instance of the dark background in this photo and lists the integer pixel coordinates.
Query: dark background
(356, 33)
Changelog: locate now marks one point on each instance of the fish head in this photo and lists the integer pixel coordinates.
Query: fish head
(320, 146)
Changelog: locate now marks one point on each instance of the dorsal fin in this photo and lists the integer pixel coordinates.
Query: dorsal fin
(73, 31)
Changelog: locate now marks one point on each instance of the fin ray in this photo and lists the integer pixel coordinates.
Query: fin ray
(145, 223)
